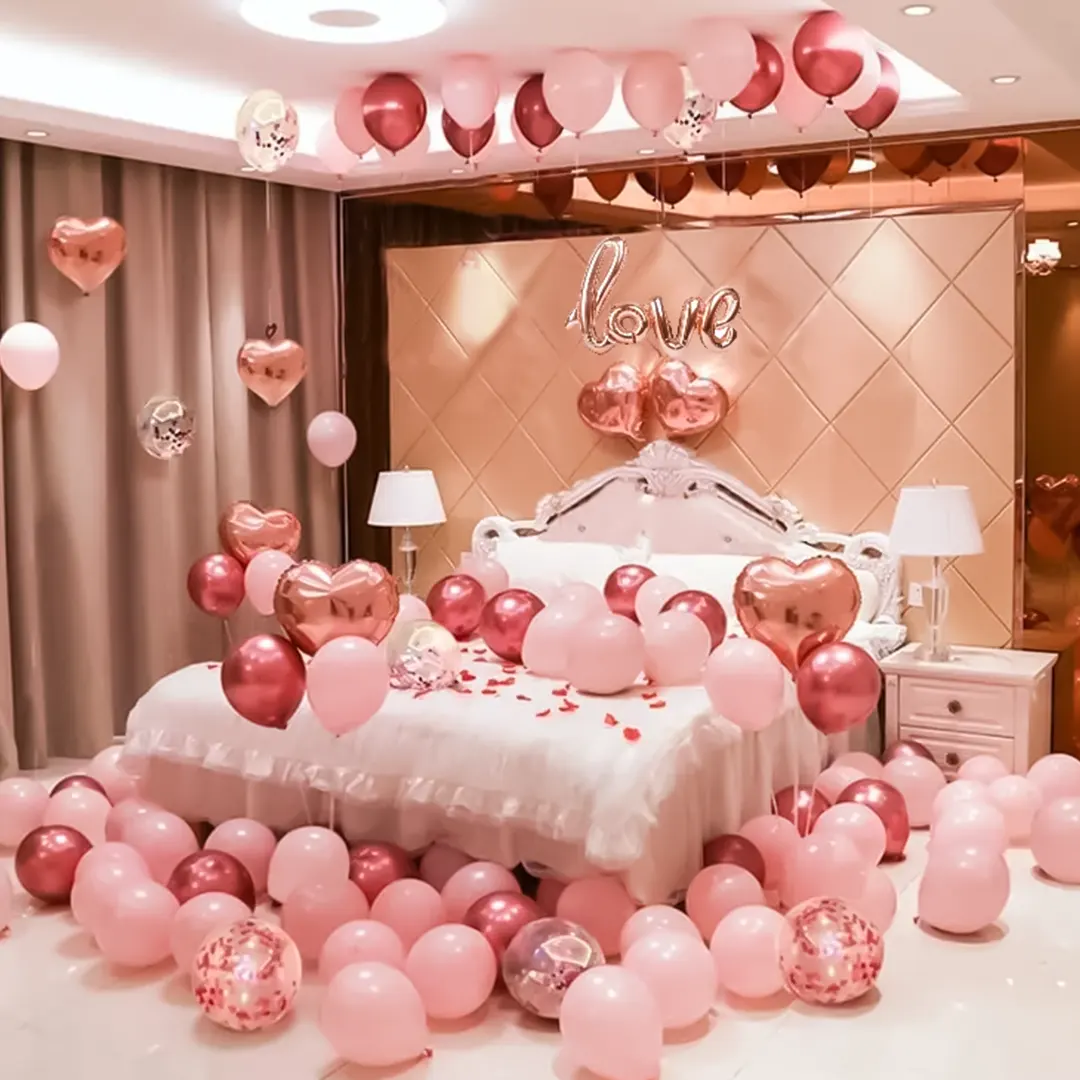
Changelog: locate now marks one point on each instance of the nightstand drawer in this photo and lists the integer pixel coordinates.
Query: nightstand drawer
(964, 706)
(952, 748)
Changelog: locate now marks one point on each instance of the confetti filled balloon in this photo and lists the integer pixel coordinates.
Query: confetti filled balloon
(247, 978)
(166, 427)
(831, 955)
(542, 961)
(422, 655)
(695, 121)
(267, 131)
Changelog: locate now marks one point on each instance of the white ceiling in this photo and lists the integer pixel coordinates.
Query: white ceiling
(162, 79)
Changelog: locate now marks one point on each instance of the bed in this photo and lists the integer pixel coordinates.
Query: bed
(520, 769)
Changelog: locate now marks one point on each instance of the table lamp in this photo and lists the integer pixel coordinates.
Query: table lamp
(407, 498)
(938, 522)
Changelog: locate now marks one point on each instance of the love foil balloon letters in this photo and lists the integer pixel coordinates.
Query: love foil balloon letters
(627, 324)
(87, 252)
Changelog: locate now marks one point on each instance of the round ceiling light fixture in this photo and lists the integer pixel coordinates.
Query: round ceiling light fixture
(345, 22)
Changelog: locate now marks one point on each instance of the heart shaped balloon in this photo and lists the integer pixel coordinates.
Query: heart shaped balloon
(87, 252)
(271, 370)
(1055, 500)
(686, 403)
(315, 603)
(245, 530)
(795, 608)
(615, 403)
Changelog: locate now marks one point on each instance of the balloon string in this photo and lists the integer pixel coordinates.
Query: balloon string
(228, 635)
(269, 262)
(870, 150)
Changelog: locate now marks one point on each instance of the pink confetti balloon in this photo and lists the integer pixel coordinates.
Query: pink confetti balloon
(1019, 800)
(655, 918)
(601, 905)
(249, 841)
(440, 863)
(717, 890)
(472, 883)
(162, 839)
(542, 962)
(454, 969)
(745, 947)
(919, 782)
(860, 825)
(878, 901)
(363, 941)
(410, 908)
(22, 808)
(1055, 839)
(963, 890)
(679, 971)
(133, 931)
(246, 978)
(108, 770)
(983, 769)
(306, 856)
(1056, 776)
(830, 955)
(79, 808)
(208, 913)
(311, 913)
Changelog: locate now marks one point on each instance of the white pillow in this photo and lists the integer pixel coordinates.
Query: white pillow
(548, 564)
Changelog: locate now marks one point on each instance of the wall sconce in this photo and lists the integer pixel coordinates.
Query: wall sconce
(1042, 257)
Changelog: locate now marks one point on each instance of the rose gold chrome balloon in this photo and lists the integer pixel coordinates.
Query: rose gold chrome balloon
(500, 916)
(46, 860)
(245, 530)
(705, 607)
(271, 370)
(802, 806)
(263, 679)
(504, 620)
(615, 403)
(79, 780)
(889, 805)
(738, 851)
(87, 252)
(211, 872)
(215, 584)
(456, 602)
(621, 588)
(374, 866)
(838, 686)
(686, 403)
(906, 748)
(315, 603)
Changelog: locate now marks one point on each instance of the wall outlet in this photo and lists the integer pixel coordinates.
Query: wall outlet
(914, 595)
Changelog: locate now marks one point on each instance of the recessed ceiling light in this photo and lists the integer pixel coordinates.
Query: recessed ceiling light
(860, 163)
(458, 172)
(346, 22)
(1071, 224)
(37, 133)
(248, 168)
(648, 150)
(1005, 80)
(917, 10)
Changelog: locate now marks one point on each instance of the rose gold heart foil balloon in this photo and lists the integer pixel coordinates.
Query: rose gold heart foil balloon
(615, 403)
(271, 370)
(87, 252)
(686, 403)
(315, 603)
(245, 530)
(794, 609)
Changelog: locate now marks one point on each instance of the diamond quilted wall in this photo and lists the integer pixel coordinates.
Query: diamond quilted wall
(871, 353)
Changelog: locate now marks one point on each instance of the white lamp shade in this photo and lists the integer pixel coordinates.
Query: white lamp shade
(935, 521)
(406, 497)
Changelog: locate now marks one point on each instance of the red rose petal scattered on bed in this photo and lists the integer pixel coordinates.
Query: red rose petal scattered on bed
(467, 676)
(657, 704)
(543, 713)
(649, 694)
(560, 693)
(213, 666)
(611, 721)
(523, 697)
(567, 706)
(631, 734)
(509, 668)
(421, 693)
(489, 690)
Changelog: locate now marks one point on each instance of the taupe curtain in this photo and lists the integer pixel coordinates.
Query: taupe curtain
(98, 536)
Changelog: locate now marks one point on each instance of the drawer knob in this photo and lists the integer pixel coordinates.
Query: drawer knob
(954, 707)
(952, 759)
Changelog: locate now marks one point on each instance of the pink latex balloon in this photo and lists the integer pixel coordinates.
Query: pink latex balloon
(373, 1016)
(548, 893)
(22, 808)
(162, 839)
(580, 597)
(440, 863)
(311, 913)
(491, 573)
(79, 808)
(918, 781)
(331, 438)
(877, 904)
(1056, 776)
(374, 866)
(963, 890)
(249, 841)
(653, 593)
(125, 812)
(776, 838)
(745, 948)
(983, 769)
(306, 856)
(717, 890)
(860, 825)
(745, 683)
(601, 905)
(546, 648)
(722, 58)
(472, 883)
(261, 577)
(410, 908)
(347, 682)
(825, 866)
(679, 971)
(976, 823)
(29, 355)
(111, 853)
(505, 619)
(606, 655)
(135, 929)
(834, 779)
(454, 969)
(676, 648)
(349, 121)
(412, 609)
(959, 791)
(578, 88)
(653, 90)
(611, 1024)
(95, 889)
(656, 917)
(1055, 839)
(866, 763)
(203, 915)
(1019, 800)
(828, 53)
(107, 769)
(363, 941)
(796, 103)
(470, 90)
(332, 153)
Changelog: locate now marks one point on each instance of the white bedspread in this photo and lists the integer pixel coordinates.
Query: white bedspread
(520, 770)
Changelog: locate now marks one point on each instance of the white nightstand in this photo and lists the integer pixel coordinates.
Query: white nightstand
(982, 701)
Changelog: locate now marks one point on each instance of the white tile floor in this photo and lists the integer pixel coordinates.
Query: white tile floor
(998, 1008)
